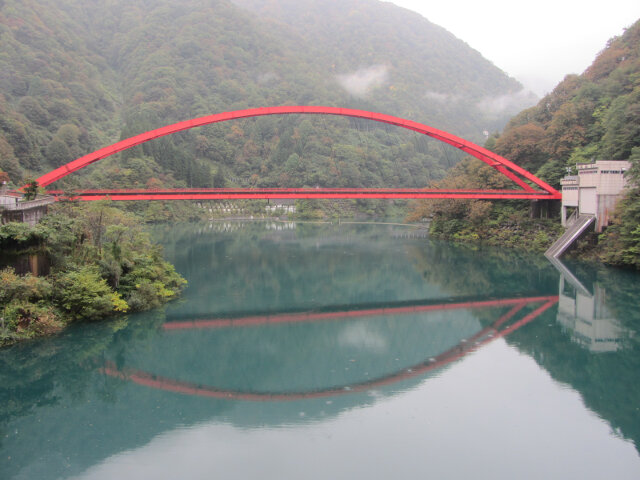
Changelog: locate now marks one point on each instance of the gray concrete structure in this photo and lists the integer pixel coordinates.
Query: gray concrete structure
(594, 191)
(14, 209)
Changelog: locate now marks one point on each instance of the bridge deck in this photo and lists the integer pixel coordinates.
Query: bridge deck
(300, 193)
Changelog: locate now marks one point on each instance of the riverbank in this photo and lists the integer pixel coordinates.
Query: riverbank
(534, 235)
(537, 235)
(101, 264)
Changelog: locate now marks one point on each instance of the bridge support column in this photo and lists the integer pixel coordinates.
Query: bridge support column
(543, 209)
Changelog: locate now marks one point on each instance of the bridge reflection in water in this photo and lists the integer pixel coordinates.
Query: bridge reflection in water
(256, 367)
(519, 312)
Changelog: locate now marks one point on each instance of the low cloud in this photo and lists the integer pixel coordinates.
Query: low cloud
(267, 78)
(442, 97)
(511, 102)
(361, 81)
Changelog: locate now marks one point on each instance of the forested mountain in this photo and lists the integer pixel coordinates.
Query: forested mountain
(593, 116)
(420, 70)
(588, 117)
(76, 75)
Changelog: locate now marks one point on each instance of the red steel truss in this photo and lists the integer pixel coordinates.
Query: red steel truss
(520, 176)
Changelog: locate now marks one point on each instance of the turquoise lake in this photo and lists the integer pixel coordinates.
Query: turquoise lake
(338, 351)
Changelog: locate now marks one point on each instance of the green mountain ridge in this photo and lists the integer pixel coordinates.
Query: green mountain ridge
(78, 75)
(588, 117)
(595, 115)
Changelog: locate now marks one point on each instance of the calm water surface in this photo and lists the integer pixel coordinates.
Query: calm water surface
(338, 351)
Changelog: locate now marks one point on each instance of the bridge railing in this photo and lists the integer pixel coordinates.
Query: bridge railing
(25, 205)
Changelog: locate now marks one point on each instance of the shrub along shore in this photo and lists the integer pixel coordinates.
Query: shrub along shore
(101, 264)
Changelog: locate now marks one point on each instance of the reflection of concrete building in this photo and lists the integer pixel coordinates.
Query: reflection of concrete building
(587, 317)
(595, 190)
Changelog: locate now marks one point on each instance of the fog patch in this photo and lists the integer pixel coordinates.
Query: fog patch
(361, 81)
(442, 97)
(511, 102)
(267, 78)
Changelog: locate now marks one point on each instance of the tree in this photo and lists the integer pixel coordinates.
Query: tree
(552, 172)
(622, 124)
(31, 190)
(8, 161)
(58, 152)
(523, 145)
(471, 174)
(218, 179)
(84, 295)
(633, 175)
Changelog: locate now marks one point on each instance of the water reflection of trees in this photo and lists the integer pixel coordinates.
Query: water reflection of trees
(481, 270)
(607, 381)
(44, 379)
(263, 269)
(38, 373)
(56, 385)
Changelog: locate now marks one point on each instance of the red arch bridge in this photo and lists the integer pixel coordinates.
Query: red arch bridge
(527, 186)
(501, 327)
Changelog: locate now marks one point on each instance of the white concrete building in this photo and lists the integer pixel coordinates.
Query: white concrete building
(9, 199)
(595, 190)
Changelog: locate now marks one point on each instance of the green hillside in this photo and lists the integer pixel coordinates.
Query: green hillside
(76, 75)
(416, 68)
(593, 116)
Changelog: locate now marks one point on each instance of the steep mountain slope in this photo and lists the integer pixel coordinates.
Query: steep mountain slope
(48, 78)
(595, 115)
(79, 74)
(410, 65)
(588, 117)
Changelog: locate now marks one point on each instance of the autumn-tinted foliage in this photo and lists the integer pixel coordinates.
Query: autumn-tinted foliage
(587, 117)
(506, 223)
(102, 263)
(77, 75)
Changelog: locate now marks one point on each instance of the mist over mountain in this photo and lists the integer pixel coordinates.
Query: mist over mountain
(76, 75)
(587, 117)
(410, 65)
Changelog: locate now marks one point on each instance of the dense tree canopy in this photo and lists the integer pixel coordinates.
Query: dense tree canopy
(591, 116)
(588, 117)
(101, 263)
(76, 75)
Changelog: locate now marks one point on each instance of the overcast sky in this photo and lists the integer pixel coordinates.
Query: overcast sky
(536, 42)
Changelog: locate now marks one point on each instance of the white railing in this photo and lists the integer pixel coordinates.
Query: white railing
(38, 202)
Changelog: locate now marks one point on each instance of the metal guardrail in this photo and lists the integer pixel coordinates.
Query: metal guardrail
(570, 235)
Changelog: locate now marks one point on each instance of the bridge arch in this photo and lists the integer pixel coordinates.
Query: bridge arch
(504, 166)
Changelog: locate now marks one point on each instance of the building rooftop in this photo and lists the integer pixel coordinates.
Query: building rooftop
(621, 165)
